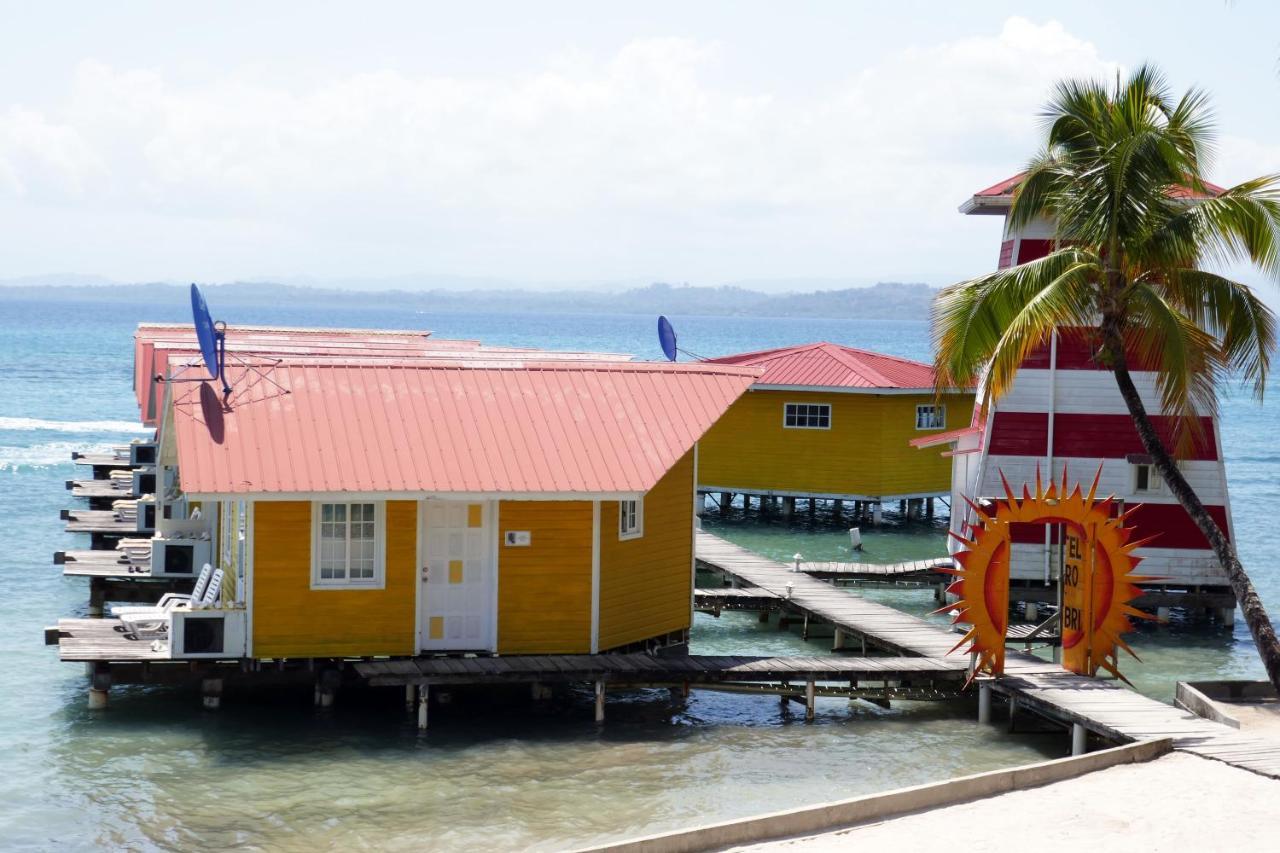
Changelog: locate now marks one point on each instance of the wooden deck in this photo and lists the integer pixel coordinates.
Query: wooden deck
(103, 461)
(102, 521)
(1105, 707)
(101, 489)
(102, 641)
(98, 564)
(650, 669)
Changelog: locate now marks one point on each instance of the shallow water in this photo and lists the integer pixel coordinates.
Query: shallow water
(155, 772)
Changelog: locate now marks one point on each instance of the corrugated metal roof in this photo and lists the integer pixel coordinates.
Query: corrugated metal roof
(827, 365)
(564, 428)
(1001, 194)
(163, 348)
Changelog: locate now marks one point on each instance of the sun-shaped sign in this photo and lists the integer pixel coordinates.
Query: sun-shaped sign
(1097, 574)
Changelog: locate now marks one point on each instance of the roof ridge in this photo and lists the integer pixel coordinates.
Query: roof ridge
(841, 355)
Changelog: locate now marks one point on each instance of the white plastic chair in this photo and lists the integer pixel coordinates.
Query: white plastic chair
(154, 621)
(171, 598)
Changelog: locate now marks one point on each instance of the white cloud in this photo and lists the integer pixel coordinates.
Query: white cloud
(584, 167)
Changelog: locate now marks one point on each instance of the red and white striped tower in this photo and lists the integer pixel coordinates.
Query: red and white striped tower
(1064, 409)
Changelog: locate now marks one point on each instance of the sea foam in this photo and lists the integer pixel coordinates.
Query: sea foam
(40, 425)
(43, 455)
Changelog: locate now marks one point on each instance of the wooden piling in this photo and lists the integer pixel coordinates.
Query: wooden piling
(810, 696)
(424, 703)
(600, 701)
(211, 693)
(99, 686)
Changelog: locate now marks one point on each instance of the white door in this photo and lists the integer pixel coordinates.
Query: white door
(458, 578)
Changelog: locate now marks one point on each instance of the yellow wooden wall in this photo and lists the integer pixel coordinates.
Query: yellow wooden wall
(866, 451)
(645, 583)
(292, 620)
(544, 589)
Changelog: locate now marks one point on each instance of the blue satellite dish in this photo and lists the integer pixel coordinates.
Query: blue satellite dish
(206, 334)
(667, 338)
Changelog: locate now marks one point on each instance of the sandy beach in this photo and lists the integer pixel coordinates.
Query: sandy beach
(1178, 802)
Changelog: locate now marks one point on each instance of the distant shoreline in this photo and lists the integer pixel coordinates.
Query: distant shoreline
(883, 301)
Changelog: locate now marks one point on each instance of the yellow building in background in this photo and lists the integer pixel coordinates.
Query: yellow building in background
(830, 421)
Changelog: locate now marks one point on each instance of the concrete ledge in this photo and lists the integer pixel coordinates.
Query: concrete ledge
(843, 813)
(1212, 700)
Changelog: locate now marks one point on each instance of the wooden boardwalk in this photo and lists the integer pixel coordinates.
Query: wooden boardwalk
(728, 598)
(1105, 707)
(920, 571)
(651, 669)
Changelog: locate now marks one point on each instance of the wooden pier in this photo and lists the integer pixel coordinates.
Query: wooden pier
(919, 571)
(1104, 707)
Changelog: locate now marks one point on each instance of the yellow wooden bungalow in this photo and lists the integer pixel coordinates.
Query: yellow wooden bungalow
(829, 421)
(394, 509)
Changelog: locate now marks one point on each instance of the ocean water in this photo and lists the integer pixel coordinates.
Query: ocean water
(269, 771)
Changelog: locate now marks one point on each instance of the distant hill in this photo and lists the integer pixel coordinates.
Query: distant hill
(886, 300)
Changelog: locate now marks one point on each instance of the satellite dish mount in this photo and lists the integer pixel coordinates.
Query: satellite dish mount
(212, 337)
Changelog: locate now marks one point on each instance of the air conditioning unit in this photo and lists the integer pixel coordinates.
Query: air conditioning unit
(142, 453)
(146, 514)
(207, 634)
(179, 558)
(144, 481)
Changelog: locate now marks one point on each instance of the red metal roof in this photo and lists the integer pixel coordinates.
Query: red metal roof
(999, 197)
(551, 428)
(827, 365)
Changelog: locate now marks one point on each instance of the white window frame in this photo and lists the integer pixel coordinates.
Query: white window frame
(1155, 483)
(637, 530)
(937, 409)
(379, 579)
(786, 413)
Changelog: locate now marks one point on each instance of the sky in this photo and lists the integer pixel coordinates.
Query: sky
(793, 145)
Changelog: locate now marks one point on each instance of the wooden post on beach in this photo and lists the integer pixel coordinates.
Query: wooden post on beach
(424, 702)
(810, 694)
(600, 701)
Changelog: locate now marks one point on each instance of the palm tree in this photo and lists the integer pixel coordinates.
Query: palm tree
(1121, 175)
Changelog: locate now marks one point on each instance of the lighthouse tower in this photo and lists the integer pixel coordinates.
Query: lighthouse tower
(1065, 409)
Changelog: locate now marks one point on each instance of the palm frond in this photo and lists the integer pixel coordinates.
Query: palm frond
(1187, 357)
(1243, 325)
(995, 321)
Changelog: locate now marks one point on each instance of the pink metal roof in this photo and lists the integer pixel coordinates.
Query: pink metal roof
(548, 428)
(162, 349)
(827, 365)
(944, 437)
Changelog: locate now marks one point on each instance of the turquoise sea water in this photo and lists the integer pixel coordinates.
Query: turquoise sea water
(155, 772)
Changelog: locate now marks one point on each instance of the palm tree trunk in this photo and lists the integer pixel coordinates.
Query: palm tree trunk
(1255, 615)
